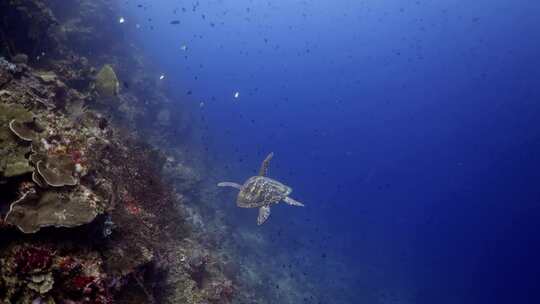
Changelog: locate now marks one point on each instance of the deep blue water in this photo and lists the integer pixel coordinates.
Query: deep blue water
(409, 129)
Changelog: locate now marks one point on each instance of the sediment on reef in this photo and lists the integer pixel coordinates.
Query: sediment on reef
(87, 216)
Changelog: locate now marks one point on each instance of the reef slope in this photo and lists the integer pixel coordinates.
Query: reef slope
(88, 210)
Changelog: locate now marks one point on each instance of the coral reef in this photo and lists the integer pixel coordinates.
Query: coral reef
(38, 272)
(87, 214)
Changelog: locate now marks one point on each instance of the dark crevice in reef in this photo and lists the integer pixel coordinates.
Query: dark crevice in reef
(90, 212)
(32, 18)
(9, 191)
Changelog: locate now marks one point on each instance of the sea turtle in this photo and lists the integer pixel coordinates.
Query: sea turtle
(261, 192)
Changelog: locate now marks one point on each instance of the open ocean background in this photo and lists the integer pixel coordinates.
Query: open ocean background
(410, 129)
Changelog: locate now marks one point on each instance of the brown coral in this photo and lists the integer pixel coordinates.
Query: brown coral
(107, 84)
(22, 131)
(53, 208)
(57, 171)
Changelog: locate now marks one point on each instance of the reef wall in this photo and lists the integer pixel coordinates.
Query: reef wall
(91, 213)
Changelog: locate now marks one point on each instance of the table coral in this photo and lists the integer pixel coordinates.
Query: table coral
(13, 160)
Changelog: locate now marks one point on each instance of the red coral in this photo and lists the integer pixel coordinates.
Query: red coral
(90, 290)
(132, 209)
(33, 259)
(68, 265)
(131, 205)
(76, 156)
(82, 282)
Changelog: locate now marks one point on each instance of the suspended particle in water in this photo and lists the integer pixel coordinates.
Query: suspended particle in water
(183, 47)
(201, 104)
(161, 77)
(236, 94)
(121, 20)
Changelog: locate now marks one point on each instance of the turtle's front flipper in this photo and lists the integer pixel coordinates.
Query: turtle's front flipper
(265, 164)
(264, 213)
(292, 202)
(229, 184)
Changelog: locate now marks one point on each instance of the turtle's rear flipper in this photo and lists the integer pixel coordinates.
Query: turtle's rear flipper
(264, 213)
(229, 184)
(292, 202)
(264, 166)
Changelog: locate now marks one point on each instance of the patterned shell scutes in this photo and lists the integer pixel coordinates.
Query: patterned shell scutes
(259, 191)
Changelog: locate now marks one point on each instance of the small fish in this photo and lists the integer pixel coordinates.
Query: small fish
(121, 20)
(175, 22)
